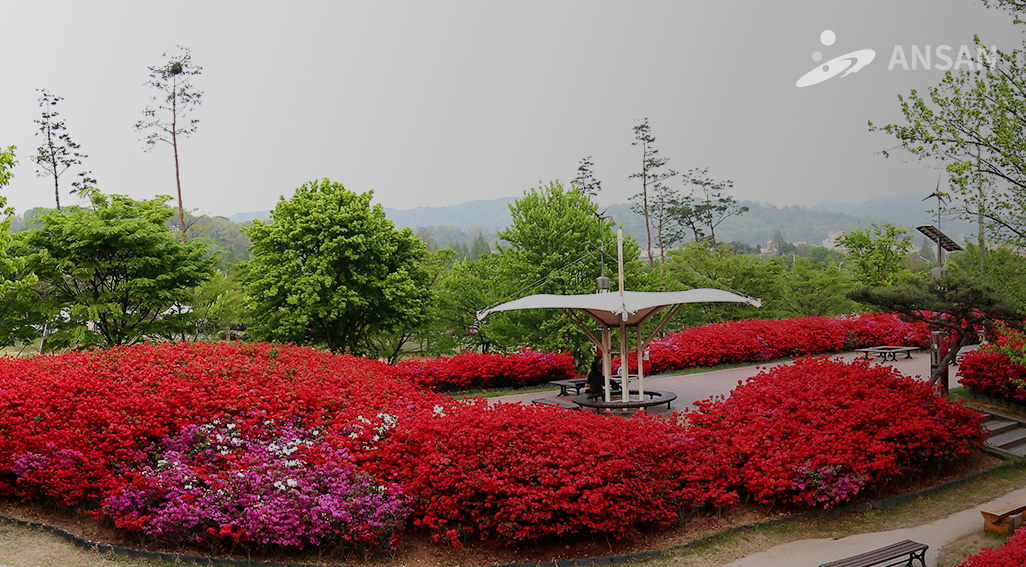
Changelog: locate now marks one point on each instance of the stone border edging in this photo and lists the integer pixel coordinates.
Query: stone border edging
(583, 562)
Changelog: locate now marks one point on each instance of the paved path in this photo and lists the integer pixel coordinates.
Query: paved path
(699, 386)
(813, 552)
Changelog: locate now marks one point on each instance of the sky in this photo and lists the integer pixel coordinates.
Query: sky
(436, 103)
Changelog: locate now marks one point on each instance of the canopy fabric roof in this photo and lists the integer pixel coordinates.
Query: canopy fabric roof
(633, 307)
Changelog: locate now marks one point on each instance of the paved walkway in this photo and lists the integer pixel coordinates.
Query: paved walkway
(812, 552)
(699, 386)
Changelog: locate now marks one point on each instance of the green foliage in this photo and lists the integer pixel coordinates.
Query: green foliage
(955, 303)
(226, 239)
(480, 247)
(15, 278)
(7, 163)
(463, 291)
(113, 274)
(696, 266)
(219, 305)
(974, 123)
(585, 182)
(811, 289)
(878, 261)
(706, 206)
(553, 239)
(332, 270)
(1002, 269)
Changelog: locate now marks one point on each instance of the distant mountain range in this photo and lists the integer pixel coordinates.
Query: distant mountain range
(463, 222)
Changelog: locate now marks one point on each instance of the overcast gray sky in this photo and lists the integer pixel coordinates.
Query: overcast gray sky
(437, 103)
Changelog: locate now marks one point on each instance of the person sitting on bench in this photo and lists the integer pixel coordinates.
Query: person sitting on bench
(596, 381)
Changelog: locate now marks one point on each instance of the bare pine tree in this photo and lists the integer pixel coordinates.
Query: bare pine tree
(165, 119)
(58, 153)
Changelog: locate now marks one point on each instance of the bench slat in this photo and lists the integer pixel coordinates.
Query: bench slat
(877, 556)
(1004, 509)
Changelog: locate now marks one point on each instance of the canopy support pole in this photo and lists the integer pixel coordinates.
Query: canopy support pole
(624, 351)
(641, 367)
(607, 360)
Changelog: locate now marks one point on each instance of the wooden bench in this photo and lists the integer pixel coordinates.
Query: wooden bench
(557, 403)
(1000, 518)
(903, 551)
(888, 352)
(577, 384)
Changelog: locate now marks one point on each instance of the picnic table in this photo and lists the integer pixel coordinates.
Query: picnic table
(888, 352)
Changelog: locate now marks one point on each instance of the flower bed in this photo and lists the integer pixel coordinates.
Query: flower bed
(817, 432)
(471, 370)
(1011, 554)
(761, 340)
(264, 447)
(76, 429)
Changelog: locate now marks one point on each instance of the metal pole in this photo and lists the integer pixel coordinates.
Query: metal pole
(607, 359)
(641, 368)
(624, 351)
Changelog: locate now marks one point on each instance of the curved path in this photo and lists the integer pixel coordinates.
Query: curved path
(690, 388)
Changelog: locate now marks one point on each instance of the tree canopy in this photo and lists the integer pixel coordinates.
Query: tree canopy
(113, 274)
(332, 270)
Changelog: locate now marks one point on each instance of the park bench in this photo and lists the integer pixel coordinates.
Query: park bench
(888, 352)
(903, 551)
(557, 403)
(598, 403)
(577, 384)
(1000, 518)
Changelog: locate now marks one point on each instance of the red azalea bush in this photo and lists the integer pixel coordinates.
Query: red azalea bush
(818, 431)
(491, 370)
(761, 340)
(1011, 554)
(73, 426)
(993, 374)
(526, 472)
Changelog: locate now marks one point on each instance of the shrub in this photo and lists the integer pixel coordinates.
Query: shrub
(528, 472)
(817, 431)
(492, 370)
(221, 485)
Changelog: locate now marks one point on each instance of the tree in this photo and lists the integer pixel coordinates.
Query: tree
(115, 274)
(165, 118)
(814, 290)
(585, 181)
(973, 123)
(953, 303)
(332, 270)
(7, 163)
(16, 279)
(219, 306)
(878, 261)
(58, 153)
(651, 175)
(780, 246)
(552, 239)
(705, 209)
(479, 248)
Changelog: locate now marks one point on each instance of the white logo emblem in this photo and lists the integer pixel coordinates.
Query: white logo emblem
(848, 63)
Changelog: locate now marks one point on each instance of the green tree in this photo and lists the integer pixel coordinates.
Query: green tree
(114, 274)
(16, 298)
(878, 257)
(780, 246)
(552, 239)
(652, 176)
(585, 182)
(812, 290)
(58, 153)
(974, 124)
(706, 206)
(1004, 270)
(332, 270)
(479, 248)
(219, 305)
(463, 291)
(953, 303)
(696, 266)
(165, 119)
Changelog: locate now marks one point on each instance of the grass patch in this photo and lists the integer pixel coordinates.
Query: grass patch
(732, 547)
(955, 552)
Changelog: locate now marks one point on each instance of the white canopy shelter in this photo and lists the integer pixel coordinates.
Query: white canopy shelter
(623, 309)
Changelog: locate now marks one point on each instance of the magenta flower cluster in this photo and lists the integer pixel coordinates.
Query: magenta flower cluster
(828, 486)
(271, 486)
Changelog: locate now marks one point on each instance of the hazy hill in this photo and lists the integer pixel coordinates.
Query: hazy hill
(440, 226)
